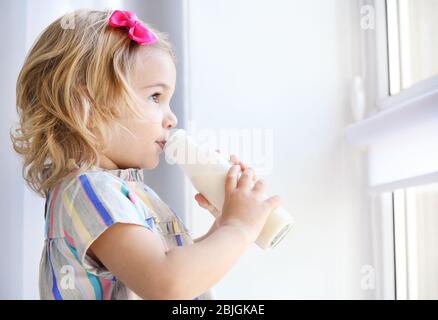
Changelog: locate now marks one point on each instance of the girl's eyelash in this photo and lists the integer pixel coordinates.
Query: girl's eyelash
(155, 94)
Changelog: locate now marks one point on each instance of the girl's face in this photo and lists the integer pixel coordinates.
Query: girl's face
(154, 77)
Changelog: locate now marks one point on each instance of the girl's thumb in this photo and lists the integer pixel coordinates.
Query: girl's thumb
(273, 202)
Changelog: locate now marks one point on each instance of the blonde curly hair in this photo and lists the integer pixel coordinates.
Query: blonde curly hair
(70, 91)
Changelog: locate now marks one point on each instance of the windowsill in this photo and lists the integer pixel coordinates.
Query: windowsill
(400, 140)
(419, 180)
(409, 108)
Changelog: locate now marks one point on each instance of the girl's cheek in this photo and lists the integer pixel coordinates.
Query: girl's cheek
(152, 116)
(155, 120)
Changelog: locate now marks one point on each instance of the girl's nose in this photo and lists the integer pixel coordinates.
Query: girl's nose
(170, 121)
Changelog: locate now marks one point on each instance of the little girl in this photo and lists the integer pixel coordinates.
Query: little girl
(93, 100)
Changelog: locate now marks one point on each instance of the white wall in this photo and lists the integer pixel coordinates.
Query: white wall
(287, 65)
(11, 186)
(167, 16)
(21, 210)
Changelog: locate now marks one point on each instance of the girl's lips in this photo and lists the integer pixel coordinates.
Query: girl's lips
(161, 144)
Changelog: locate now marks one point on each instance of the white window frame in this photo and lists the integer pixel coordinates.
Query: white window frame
(391, 116)
(391, 112)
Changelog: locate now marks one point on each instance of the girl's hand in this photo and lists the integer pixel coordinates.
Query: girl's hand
(204, 203)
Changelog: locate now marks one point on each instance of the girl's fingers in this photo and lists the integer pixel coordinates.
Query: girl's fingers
(231, 179)
(236, 161)
(273, 202)
(259, 186)
(202, 201)
(245, 179)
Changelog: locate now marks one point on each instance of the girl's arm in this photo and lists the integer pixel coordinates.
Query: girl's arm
(137, 257)
(213, 227)
(204, 203)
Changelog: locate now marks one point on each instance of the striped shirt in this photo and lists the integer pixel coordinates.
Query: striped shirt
(80, 208)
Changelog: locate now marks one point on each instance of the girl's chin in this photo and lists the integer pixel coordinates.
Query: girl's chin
(152, 162)
(150, 165)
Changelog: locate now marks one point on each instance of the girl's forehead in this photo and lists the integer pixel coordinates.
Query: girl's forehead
(154, 66)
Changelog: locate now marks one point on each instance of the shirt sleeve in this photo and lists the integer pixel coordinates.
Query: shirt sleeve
(93, 203)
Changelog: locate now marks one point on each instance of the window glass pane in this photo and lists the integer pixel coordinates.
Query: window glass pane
(426, 208)
(416, 237)
(412, 42)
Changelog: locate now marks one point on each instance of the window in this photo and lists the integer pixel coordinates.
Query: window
(415, 239)
(412, 42)
(399, 137)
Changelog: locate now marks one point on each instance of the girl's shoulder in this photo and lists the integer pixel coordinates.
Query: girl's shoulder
(88, 189)
(118, 190)
(87, 180)
(114, 185)
(98, 178)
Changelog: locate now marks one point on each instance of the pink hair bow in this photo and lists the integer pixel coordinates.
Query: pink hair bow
(137, 30)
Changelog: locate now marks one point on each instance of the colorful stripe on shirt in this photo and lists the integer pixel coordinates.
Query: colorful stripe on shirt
(55, 290)
(95, 201)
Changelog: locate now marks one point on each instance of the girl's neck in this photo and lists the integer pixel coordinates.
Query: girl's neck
(107, 163)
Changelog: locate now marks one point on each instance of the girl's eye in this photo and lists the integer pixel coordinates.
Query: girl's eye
(155, 97)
